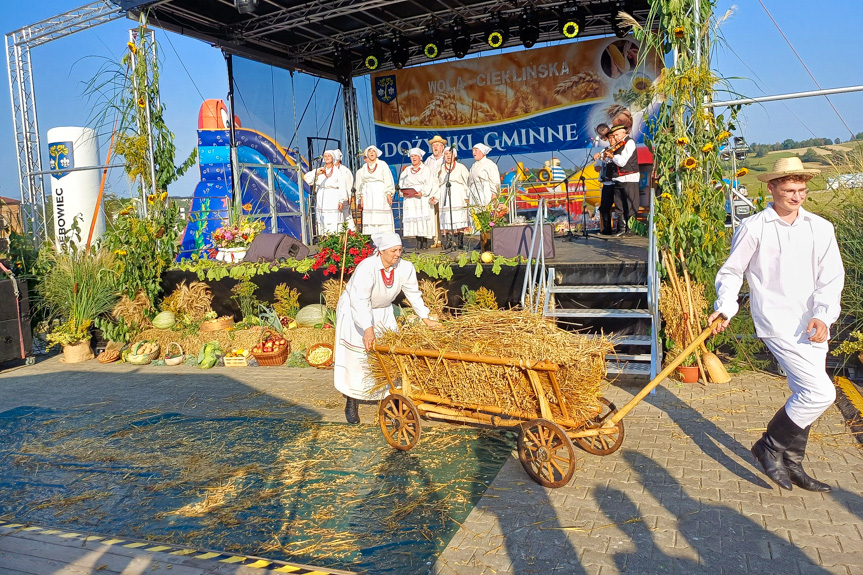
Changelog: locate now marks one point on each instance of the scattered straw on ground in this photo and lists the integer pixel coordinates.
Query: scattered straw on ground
(509, 333)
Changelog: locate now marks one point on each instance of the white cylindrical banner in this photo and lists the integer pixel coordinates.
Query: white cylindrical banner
(74, 194)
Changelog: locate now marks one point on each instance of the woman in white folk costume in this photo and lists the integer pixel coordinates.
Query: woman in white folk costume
(375, 191)
(484, 181)
(331, 193)
(417, 186)
(349, 183)
(453, 199)
(365, 311)
(435, 162)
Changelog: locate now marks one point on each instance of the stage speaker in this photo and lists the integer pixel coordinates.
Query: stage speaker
(274, 248)
(514, 240)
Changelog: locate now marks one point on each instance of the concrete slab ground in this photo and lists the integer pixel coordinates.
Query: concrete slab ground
(681, 495)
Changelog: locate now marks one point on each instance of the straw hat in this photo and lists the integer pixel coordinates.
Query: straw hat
(788, 167)
(437, 140)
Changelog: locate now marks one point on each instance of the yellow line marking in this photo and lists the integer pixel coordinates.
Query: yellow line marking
(318, 573)
(112, 541)
(158, 548)
(51, 532)
(14, 525)
(206, 556)
(286, 569)
(234, 559)
(32, 528)
(259, 564)
(851, 392)
(69, 535)
(93, 538)
(135, 545)
(184, 552)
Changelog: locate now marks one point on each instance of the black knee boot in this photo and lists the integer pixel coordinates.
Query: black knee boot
(460, 237)
(352, 414)
(793, 458)
(447, 241)
(768, 450)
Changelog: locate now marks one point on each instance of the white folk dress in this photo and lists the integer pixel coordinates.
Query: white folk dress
(330, 191)
(367, 302)
(484, 182)
(374, 185)
(458, 195)
(417, 213)
(346, 207)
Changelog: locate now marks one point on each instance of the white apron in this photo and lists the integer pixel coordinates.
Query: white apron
(458, 194)
(417, 213)
(330, 192)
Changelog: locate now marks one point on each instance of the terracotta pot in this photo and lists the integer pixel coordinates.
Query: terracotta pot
(688, 373)
(78, 352)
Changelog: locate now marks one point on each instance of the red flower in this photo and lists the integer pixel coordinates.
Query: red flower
(306, 276)
(354, 251)
(332, 269)
(337, 258)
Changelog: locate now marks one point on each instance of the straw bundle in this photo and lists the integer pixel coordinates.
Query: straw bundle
(676, 318)
(133, 311)
(506, 333)
(331, 292)
(194, 300)
(434, 296)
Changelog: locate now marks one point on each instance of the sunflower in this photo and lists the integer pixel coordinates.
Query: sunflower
(163, 196)
(247, 207)
(125, 212)
(151, 198)
(679, 32)
(707, 147)
(142, 102)
(722, 136)
(690, 163)
(121, 252)
(682, 141)
(742, 172)
(132, 48)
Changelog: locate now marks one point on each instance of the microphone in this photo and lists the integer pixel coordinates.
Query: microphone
(404, 152)
(317, 157)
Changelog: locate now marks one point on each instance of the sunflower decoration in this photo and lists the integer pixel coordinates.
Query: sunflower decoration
(690, 163)
(741, 172)
(707, 147)
(723, 135)
(142, 102)
(151, 198)
(121, 252)
(679, 32)
(125, 212)
(682, 141)
(247, 207)
(163, 196)
(132, 48)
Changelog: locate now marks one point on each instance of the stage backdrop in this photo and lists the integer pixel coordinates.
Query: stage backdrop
(520, 102)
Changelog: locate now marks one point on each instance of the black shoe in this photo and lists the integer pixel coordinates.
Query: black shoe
(768, 450)
(352, 414)
(793, 459)
(447, 242)
(620, 233)
(460, 237)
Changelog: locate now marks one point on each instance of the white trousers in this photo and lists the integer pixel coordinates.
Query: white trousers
(812, 391)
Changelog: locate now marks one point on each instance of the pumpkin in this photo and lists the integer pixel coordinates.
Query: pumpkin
(487, 257)
(311, 315)
(164, 320)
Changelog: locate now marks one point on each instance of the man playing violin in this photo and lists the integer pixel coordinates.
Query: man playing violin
(621, 152)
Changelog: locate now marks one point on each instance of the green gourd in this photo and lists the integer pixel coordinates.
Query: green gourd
(165, 320)
(311, 315)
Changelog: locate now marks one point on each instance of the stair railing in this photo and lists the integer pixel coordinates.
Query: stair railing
(534, 272)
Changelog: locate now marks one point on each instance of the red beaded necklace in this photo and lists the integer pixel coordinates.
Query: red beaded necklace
(371, 169)
(389, 281)
(449, 167)
(330, 173)
(417, 169)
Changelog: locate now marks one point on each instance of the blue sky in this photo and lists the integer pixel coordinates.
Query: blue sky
(752, 54)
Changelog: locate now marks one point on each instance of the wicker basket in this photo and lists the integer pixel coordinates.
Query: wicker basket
(217, 324)
(275, 357)
(174, 360)
(108, 356)
(136, 359)
(323, 364)
(236, 361)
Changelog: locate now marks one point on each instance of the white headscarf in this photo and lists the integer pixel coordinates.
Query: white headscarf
(375, 148)
(334, 153)
(452, 149)
(482, 148)
(416, 152)
(337, 155)
(386, 240)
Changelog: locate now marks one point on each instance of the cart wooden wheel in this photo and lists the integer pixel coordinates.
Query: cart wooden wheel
(605, 444)
(399, 421)
(546, 452)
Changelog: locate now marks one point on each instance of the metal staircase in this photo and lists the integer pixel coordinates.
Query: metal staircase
(639, 354)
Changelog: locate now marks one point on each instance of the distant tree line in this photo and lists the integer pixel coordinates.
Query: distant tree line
(761, 150)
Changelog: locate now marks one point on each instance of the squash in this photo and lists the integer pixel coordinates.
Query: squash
(311, 315)
(165, 320)
(486, 257)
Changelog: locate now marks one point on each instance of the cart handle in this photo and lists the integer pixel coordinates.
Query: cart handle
(665, 372)
(458, 356)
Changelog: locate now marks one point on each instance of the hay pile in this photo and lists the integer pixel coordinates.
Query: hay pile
(300, 338)
(505, 333)
(193, 300)
(133, 311)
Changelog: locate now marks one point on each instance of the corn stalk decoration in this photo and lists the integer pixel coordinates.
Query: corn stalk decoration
(685, 136)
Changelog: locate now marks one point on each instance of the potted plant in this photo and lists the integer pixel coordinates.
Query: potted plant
(486, 218)
(78, 286)
(232, 240)
(688, 369)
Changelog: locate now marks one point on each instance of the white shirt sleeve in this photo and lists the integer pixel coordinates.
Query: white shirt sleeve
(729, 279)
(428, 186)
(829, 281)
(309, 177)
(410, 287)
(389, 184)
(349, 177)
(361, 285)
(624, 155)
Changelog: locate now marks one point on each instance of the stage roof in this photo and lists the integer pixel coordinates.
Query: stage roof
(310, 35)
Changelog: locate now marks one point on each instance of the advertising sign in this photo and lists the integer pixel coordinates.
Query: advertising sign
(520, 102)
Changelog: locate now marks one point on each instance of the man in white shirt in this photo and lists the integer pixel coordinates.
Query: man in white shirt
(622, 153)
(791, 260)
(435, 163)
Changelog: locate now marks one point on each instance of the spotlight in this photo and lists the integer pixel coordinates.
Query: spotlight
(460, 38)
(372, 56)
(497, 32)
(571, 22)
(432, 43)
(399, 53)
(342, 66)
(246, 6)
(528, 31)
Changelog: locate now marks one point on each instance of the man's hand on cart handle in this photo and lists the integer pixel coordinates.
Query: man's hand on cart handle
(719, 326)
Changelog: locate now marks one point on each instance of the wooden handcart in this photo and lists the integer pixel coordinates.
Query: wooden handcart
(545, 435)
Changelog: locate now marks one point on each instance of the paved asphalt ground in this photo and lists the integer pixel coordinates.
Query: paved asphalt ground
(681, 496)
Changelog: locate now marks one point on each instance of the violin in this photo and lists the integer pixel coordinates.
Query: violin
(614, 148)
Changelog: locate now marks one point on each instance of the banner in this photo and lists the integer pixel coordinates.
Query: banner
(521, 102)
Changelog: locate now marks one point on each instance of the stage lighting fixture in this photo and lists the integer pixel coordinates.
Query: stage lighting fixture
(528, 31)
(342, 66)
(619, 29)
(399, 53)
(432, 43)
(460, 38)
(497, 31)
(372, 57)
(246, 6)
(571, 22)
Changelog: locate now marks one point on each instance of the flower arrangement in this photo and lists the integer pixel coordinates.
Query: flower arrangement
(488, 217)
(329, 258)
(238, 235)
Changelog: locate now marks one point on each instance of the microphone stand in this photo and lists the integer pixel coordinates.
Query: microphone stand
(314, 197)
(584, 235)
(448, 186)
